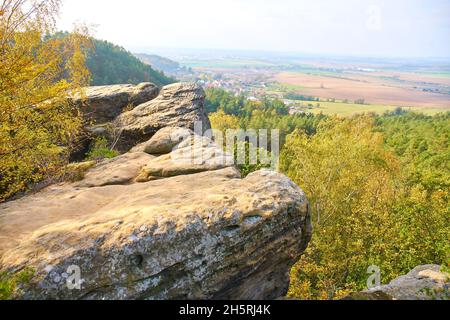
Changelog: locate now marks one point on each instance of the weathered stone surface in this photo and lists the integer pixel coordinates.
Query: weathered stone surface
(104, 103)
(166, 139)
(178, 105)
(210, 235)
(425, 282)
(192, 155)
(120, 170)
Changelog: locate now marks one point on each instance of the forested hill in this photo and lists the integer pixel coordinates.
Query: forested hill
(112, 64)
(159, 63)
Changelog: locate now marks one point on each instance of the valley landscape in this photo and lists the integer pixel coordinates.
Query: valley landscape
(342, 86)
(304, 156)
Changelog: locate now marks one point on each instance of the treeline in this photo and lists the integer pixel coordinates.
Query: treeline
(159, 63)
(301, 97)
(230, 111)
(422, 142)
(378, 188)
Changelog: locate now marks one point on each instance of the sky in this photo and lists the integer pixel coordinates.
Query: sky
(399, 28)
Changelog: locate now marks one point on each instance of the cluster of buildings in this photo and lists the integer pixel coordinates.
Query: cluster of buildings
(254, 85)
(251, 84)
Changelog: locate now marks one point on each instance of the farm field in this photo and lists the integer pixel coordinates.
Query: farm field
(348, 109)
(379, 89)
(344, 86)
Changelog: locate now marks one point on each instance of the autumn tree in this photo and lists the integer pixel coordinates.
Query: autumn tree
(222, 121)
(37, 73)
(364, 210)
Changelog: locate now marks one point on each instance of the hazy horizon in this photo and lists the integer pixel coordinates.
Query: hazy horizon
(361, 28)
(213, 53)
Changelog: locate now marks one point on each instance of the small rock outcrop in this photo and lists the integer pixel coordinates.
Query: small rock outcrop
(194, 154)
(425, 282)
(178, 105)
(181, 225)
(104, 103)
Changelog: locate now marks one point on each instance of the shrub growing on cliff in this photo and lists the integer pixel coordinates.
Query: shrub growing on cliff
(37, 124)
(101, 150)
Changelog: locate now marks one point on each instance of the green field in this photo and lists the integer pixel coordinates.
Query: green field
(348, 109)
(277, 88)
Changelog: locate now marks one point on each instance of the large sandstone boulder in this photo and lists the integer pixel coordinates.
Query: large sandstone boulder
(198, 232)
(104, 103)
(178, 105)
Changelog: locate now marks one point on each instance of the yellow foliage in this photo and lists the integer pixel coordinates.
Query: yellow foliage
(37, 72)
(222, 121)
(363, 213)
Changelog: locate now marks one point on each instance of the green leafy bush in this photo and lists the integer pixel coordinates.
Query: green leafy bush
(101, 150)
(242, 151)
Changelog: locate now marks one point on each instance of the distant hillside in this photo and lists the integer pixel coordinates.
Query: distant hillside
(159, 63)
(112, 64)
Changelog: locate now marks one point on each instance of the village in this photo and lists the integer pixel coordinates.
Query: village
(254, 84)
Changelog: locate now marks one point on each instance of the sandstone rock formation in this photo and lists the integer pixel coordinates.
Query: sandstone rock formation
(104, 103)
(178, 105)
(100, 105)
(192, 155)
(425, 282)
(192, 229)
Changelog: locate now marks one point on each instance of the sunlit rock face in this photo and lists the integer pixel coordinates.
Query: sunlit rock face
(170, 219)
